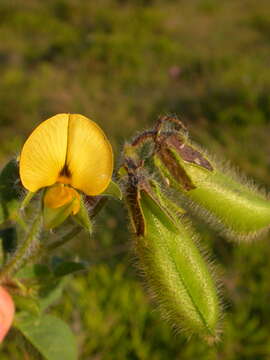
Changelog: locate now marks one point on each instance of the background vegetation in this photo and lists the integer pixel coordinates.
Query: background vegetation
(123, 63)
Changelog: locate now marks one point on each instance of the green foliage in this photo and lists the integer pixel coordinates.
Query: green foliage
(111, 297)
(68, 267)
(9, 191)
(50, 335)
(55, 217)
(123, 63)
(9, 239)
(113, 190)
(82, 217)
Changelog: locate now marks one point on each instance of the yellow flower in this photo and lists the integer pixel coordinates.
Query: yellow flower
(68, 151)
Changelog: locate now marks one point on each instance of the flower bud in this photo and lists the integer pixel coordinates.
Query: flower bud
(7, 310)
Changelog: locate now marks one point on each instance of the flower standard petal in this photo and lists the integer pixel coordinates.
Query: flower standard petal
(44, 153)
(89, 156)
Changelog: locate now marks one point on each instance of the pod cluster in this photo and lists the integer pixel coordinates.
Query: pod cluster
(179, 276)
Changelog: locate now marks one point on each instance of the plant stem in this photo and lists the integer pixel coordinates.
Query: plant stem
(64, 239)
(23, 251)
(21, 221)
(26, 200)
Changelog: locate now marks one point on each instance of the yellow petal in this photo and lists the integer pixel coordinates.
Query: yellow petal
(60, 195)
(76, 205)
(44, 153)
(89, 156)
(57, 196)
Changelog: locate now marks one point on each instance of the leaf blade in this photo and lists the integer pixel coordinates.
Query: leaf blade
(49, 335)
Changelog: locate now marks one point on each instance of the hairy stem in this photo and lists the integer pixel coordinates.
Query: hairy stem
(23, 251)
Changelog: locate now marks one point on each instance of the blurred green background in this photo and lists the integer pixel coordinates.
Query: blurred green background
(123, 63)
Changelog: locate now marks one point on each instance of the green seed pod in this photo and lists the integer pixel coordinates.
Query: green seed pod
(237, 208)
(175, 271)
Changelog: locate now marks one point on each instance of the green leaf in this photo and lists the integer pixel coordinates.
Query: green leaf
(122, 172)
(55, 217)
(51, 292)
(9, 191)
(50, 289)
(83, 218)
(69, 267)
(34, 271)
(25, 303)
(9, 239)
(113, 190)
(49, 335)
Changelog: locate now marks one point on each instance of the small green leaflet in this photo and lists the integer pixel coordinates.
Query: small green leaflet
(49, 335)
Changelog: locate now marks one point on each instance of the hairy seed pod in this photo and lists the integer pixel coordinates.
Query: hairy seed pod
(238, 209)
(175, 271)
